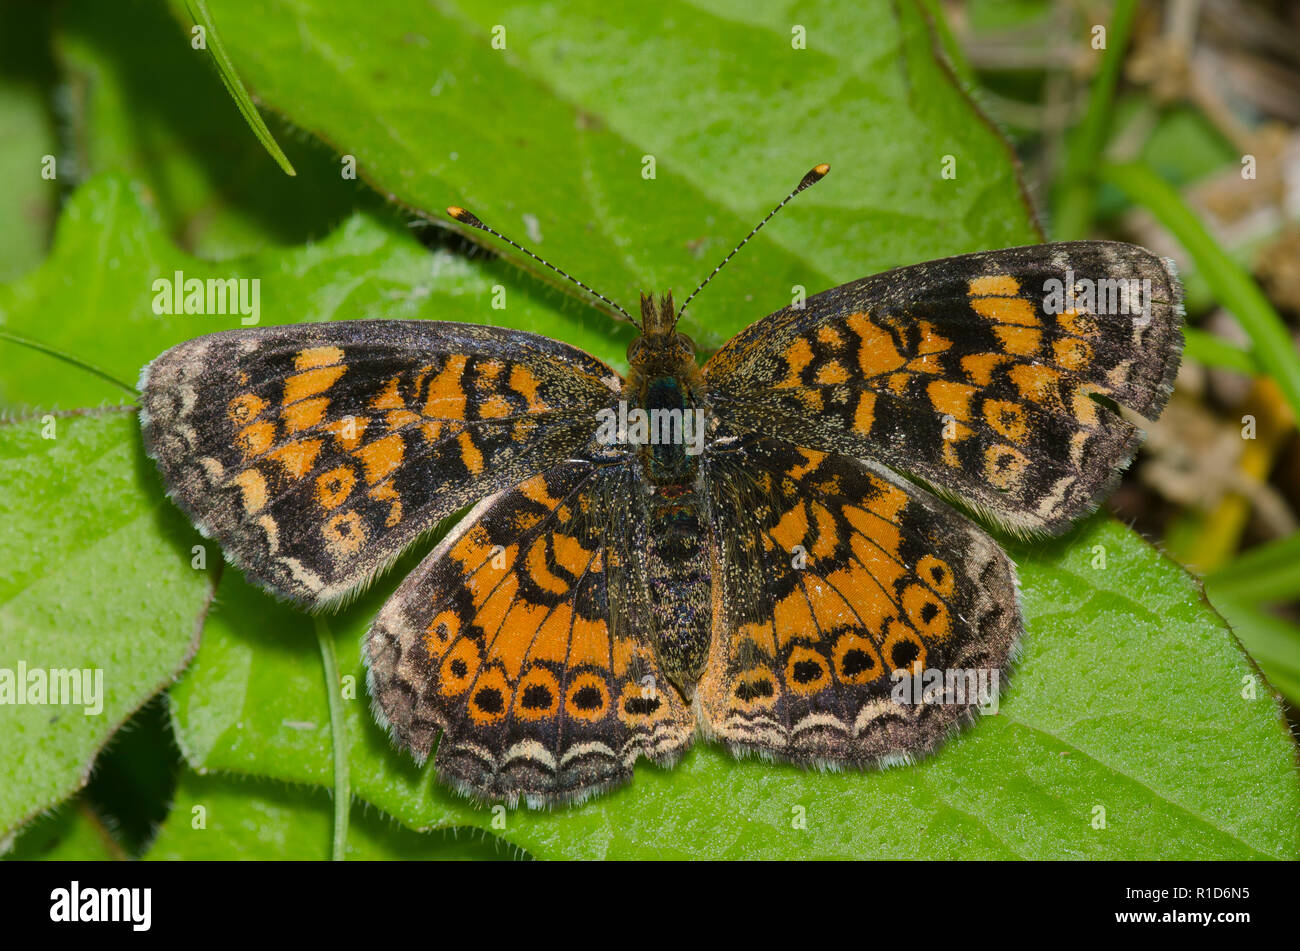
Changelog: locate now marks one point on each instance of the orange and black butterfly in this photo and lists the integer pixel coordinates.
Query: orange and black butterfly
(750, 549)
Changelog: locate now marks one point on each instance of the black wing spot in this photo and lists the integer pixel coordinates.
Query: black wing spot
(536, 697)
(904, 653)
(753, 690)
(588, 698)
(489, 700)
(641, 706)
(807, 671)
(855, 662)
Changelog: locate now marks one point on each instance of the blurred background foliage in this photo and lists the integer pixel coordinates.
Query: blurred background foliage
(1188, 143)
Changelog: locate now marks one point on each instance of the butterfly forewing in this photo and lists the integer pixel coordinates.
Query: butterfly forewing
(979, 374)
(316, 453)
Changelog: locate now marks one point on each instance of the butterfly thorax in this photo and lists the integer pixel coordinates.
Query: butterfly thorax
(665, 382)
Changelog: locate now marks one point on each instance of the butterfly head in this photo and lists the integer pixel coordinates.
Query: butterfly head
(660, 346)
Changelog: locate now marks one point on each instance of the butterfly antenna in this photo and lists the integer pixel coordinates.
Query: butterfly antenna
(812, 178)
(467, 218)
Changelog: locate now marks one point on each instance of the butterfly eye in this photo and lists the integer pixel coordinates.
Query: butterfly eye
(635, 350)
(686, 346)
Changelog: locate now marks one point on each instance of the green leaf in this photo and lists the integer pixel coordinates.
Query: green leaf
(993, 15)
(216, 817)
(1211, 351)
(71, 833)
(1273, 642)
(200, 14)
(1127, 697)
(1185, 145)
(547, 139)
(257, 696)
(96, 577)
(1269, 572)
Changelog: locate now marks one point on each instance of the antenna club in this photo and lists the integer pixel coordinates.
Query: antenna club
(814, 176)
(464, 217)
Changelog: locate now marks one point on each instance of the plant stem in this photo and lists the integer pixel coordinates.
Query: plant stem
(338, 737)
(1211, 351)
(1270, 572)
(67, 358)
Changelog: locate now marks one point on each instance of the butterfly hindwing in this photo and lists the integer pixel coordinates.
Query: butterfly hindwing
(834, 575)
(977, 373)
(507, 641)
(316, 453)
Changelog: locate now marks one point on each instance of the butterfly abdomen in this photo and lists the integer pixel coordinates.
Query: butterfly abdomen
(679, 578)
(676, 560)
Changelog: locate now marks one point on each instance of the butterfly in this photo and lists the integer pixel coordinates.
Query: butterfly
(759, 550)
